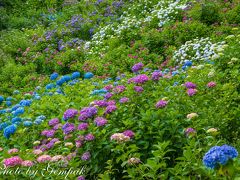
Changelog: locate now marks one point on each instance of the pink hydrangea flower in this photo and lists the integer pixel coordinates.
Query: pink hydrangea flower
(129, 133)
(13, 151)
(12, 161)
(44, 158)
(191, 92)
(211, 84)
(27, 163)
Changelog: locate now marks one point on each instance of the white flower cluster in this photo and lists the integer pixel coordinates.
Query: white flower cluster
(165, 11)
(112, 30)
(198, 50)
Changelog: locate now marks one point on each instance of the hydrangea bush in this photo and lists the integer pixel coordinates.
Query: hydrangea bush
(113, 93)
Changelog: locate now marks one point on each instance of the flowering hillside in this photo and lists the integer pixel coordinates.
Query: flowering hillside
(119, 89)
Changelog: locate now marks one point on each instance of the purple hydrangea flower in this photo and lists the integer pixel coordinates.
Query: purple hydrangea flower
(137, 67)
(156, 75)
(138, 89)
(87, 112)
(190, 131)
(191, 92)
(86, 156)
(140, 79)
(82, 126)
(129, 133)
(161, 104)
(101, 103)
(119, 89)
(68, 128)
(190, 85)
(100, 121)
(110, 109)
(89, 137)
(81, 178)
(53, 122)
(108, 87)
(70, 113)
(124, 100)
(111, 103)
(108, 95)
(48, 133)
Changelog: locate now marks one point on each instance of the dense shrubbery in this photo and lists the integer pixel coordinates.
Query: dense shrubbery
(123, 89)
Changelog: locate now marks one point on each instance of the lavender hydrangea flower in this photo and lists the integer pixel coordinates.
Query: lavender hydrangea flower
(86, 156)
(190, 85)
(190, 132)
(138, 89)
(191, 92)
(119, 89)
(100, 121)
(161, 104)
(140, 79)
(68, 128)
(110, 109)
(70, 113)
(81, 178)
(156, 75)
(124, 100)
(83, 126)
(87, 112)
(137, 67)
(89, 137)
(108, 95)
(112, 102)
(101, 103)
(53, 122)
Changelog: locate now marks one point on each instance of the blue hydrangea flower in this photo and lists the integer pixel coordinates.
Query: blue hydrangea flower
(184, 67)
(66, 78)
(54, 76)
(219, 155)
(8, 103)
(88, 75)
(188, 63)
(175, 83)
(3, 111)
(16, 120)
(73, 82)
(75, 75)
(229, 151)
(18, 111)
(25, 102)
(38, 121)
(42, 117)
(105, 81)
(50, 86)
(60, 82)
(27, 123)
(3, 125)
(37, 97)
(118, 78)
(1, 99)
(175, 73)
(9, 130)
(15, 107)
